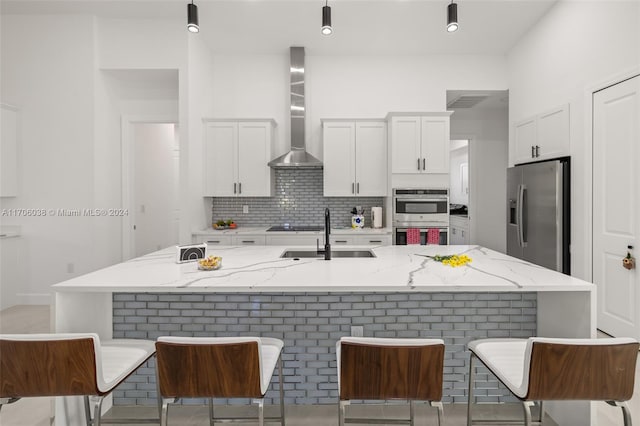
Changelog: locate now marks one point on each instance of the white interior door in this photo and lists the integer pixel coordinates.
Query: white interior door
(155, 194)
(616, 206)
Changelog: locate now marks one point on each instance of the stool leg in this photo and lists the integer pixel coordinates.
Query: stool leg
(87, 410)
(626, 414)
(438, 405)
(411, 413)
(526, 406)
(260, 411)
(97, 410)
(281, 390)
(470, 393)
(211, 421)
(342, 406)
(164, 413)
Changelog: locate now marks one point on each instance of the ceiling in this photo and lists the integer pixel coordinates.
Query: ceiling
(361, 27)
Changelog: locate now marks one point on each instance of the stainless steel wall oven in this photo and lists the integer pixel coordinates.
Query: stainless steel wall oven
(423, 209)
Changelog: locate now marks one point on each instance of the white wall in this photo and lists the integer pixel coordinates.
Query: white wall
(487, 131)
(197, 83)
(345, 87)
(70, 151)
(47, 71)
(577, 45)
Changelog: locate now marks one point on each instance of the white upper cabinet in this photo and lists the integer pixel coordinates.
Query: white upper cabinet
(236, 153)
(355, 158)
(420, 143)
(543, 137)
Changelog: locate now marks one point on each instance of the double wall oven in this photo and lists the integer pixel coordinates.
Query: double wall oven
(422, 209)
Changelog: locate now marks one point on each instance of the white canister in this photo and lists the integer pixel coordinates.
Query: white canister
(376, 217)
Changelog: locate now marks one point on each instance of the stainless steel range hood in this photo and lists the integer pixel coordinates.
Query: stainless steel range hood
(298, 156)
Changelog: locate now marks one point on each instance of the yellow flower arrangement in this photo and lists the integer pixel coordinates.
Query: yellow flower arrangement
(453, 260)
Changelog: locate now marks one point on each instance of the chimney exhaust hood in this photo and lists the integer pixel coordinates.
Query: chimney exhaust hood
(297, 157)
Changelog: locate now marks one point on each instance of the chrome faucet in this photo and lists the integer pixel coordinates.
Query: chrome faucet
(327, 231)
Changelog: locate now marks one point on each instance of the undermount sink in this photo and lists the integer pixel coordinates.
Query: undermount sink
(334, 253)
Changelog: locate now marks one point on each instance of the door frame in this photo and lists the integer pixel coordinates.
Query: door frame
(471, 208)
(588, 156)
(127, 149)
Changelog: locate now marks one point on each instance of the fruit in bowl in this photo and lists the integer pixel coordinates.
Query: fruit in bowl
(231, 224)
(210, 263)
(221, 224)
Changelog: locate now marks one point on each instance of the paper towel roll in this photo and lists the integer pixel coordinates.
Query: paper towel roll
(376, 217)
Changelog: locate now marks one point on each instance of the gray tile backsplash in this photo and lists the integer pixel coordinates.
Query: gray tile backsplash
(298, 200)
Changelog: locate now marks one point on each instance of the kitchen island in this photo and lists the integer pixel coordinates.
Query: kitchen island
(310, 303)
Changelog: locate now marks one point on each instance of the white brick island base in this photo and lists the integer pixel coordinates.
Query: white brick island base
(311, 303)
(310, 324)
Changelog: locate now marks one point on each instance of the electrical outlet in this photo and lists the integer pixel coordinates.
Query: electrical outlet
(357, 331)
(245, 209)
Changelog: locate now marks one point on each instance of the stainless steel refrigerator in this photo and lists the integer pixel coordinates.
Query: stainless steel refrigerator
(538, 213)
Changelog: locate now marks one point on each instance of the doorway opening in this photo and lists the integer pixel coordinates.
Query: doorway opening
(459, 191)
(151, 158)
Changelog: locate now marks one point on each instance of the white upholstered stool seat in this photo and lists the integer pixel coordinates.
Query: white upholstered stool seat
(218, 367)
(68, 364)
(541, 369)
(383, 369)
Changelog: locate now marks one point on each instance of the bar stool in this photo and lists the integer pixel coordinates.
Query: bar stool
(380, 369)
(544, 369)
(69, 364)
(218, 367)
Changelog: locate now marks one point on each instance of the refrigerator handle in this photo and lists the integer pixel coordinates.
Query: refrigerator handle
(520, 213)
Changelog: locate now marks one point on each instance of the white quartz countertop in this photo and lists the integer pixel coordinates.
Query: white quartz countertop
(260, 269)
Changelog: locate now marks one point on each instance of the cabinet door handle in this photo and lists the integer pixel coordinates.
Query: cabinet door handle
(375, 241)
(537, 150)
(340, 241)
(213, 242)
(234, 188)
(424, 164)
(533, 151)
(462, 234)
(240, 188)
(248, 241)
(353, 186)
(418, 164)
(358, 188)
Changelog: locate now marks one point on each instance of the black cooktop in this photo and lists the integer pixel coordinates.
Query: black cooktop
(296, 228)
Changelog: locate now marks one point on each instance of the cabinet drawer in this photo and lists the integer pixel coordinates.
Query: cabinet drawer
(249, 240)
(295, 240)
(218, 240)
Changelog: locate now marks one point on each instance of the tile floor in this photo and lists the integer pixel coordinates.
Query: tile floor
(37, 411)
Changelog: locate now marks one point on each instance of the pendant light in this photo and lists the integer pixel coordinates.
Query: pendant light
(192, 18)
(326, 19)
(452, 17)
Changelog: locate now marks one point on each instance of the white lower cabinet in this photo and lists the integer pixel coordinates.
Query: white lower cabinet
(302, 239)
(360, 240)
(212, 240)
(248, 240)
(459, 230)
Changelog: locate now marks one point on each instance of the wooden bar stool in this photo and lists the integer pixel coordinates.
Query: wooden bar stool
(218, 367)
(382, 369)
(69, 364)
(546, 369)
